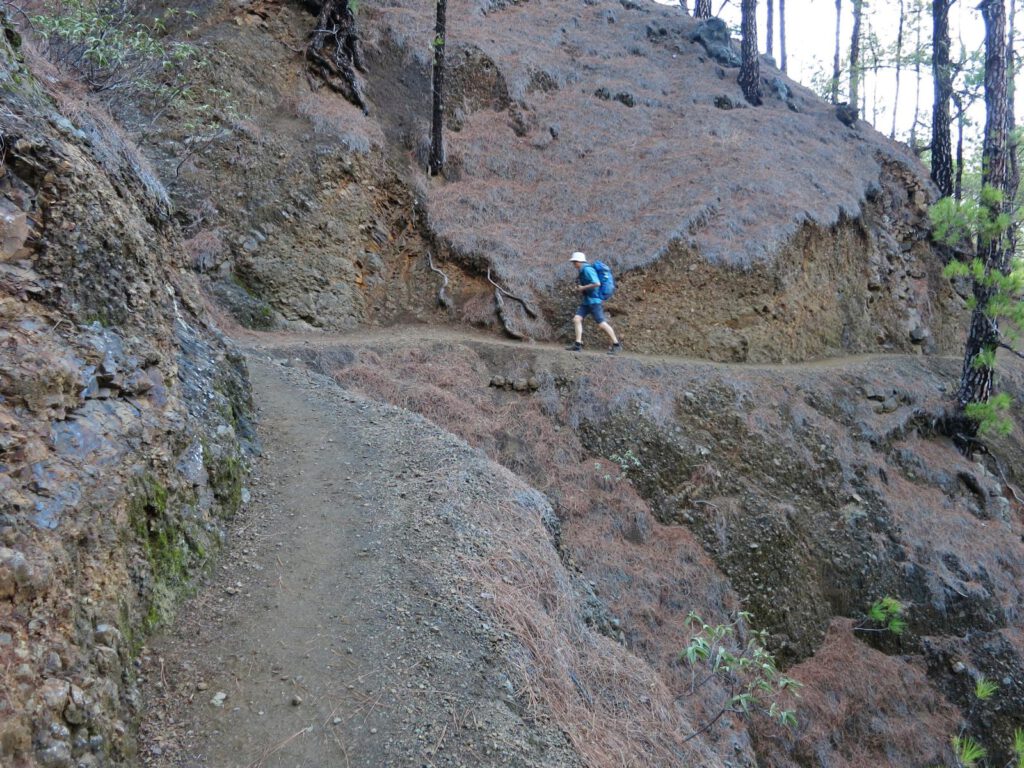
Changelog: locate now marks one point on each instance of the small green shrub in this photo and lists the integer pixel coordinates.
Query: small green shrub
(106, 43)
(748, 671)
(887, 613)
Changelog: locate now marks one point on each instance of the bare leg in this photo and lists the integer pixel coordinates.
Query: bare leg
(607, 329)
(577, 323)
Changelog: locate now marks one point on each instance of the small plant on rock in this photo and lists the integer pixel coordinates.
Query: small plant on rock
(627, 460)
(748, 671)
(984, 689)
(886, 614)
(967, 751)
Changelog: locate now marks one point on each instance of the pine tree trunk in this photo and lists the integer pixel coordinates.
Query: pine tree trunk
(984, 335)
(770, 31)
(899, 66)
(702, 9)
(437, 123)
(917, 81)
(1011, 71)
(942, 155)
(683, 5)
(875, 64)
(958, 180)
(855, 71)
(750, 71)
(782, 34)
(835, 59)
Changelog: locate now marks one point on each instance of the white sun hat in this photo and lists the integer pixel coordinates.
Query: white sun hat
(578, 256)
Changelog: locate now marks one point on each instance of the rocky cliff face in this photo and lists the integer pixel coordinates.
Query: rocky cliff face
(122, 421)
(776, 233)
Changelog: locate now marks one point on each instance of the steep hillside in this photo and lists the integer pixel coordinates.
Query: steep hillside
(775, 233)
(802, 493)
(523, 588)
(121, 421)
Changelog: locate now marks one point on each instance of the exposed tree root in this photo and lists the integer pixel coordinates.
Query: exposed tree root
(506, 321)
(442, 295)
(333, 54)
(498, 289)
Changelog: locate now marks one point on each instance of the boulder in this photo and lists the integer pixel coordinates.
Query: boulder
(713, 34)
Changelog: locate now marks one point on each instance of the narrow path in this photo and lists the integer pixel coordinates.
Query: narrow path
(418, 335)
(332, 633)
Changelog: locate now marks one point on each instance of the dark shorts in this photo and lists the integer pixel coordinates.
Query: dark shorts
(596, 310)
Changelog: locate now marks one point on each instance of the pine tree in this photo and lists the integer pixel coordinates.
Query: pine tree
(770, 29)
(835, 60)
(855, 64)
(750, 71)
(1011, 125)
(984, 337)
(899, 66)
(437, 122)
(942, 76)
(918, 56)
(702, 9)
(782, 34)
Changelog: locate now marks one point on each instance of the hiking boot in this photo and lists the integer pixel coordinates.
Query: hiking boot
(615, 348)
(576, 346)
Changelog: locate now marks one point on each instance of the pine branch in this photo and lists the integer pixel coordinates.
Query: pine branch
(1010, 349)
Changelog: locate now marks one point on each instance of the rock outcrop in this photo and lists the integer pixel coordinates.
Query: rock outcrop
(122, 421)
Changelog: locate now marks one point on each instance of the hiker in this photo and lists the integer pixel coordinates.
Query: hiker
(589, 287)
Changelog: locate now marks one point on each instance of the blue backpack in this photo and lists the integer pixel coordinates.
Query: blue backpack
(604, 274)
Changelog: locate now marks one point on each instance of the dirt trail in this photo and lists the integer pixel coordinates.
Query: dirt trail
(418, 335)
(335, 625)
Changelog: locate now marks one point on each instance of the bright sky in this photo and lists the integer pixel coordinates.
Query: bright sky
(810, 38)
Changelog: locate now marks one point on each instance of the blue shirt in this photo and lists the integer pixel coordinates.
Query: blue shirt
(587, 276)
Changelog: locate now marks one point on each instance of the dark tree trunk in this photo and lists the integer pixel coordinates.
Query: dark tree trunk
(782, 34)
(984, 335)
(835, 59)
(683, 5)
(1011, 71)
(770, 31)
(334, 53)
(855, 71)
(437, 123)
(702, 9)
(899, 66)
(958, 179)
(942, 75)
(750, 70)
